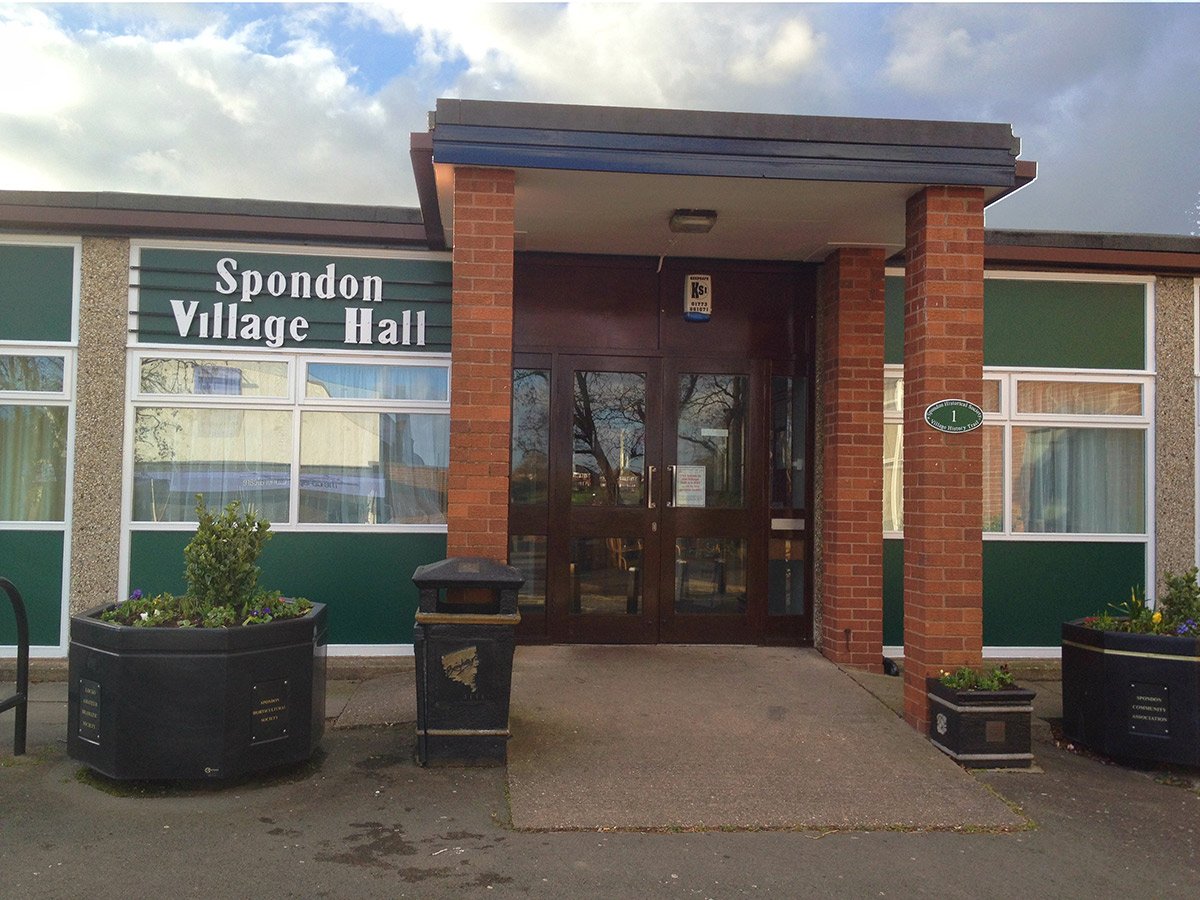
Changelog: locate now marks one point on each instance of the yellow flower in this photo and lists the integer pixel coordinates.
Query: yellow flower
(1156, 618)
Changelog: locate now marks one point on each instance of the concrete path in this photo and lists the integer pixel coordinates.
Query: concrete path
(692, 737)
(363, 821)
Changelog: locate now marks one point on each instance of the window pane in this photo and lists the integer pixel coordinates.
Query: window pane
(31, 373)
(368, 468)
(606, 576)
(527, 553)
(214, 377)
(530, 465)
(224, 454)
(1079, 398)
(789, 441)
(710, 575)
(347, 381)
(893, 393)
(785, 577)
(993, 478)
(893, 476)
(1079, 480)
(33, 463)
(991, 396)
(711, 440)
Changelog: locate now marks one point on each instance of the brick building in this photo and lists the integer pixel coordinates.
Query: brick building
(683, 369)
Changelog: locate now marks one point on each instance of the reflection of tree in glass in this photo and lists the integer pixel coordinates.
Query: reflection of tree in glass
(714, 403)
(609, 427)
(31, 373)
(530, 435)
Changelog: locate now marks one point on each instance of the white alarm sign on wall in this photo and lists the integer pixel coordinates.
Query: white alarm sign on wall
(697, 298)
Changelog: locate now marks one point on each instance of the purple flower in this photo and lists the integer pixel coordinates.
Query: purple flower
(136, 595)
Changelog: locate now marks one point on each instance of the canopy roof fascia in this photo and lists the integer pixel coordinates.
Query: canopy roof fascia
(795, 152)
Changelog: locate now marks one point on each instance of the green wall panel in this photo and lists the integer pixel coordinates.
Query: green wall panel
(1030, 587)
(365, 578)
(1073, 325)
(893, 592)
(33, 561)
(893, 326)
(35, 293)
(1066, 324)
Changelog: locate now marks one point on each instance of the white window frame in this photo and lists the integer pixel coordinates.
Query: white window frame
(295, 403)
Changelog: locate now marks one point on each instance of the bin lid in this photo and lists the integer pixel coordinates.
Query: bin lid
(467, 571)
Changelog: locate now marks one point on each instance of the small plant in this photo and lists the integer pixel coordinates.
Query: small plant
(996, 678)
(1177, 611)
(221, 569)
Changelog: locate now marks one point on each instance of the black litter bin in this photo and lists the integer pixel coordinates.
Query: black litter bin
(463, 641)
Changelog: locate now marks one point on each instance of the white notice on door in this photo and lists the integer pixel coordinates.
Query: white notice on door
(689, 485)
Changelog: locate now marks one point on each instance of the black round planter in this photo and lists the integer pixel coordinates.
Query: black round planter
(195, 703)
(1134, 696)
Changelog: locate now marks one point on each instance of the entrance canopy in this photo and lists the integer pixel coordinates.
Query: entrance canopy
(607, 180)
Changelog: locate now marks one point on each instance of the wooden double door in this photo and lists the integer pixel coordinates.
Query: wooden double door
(656, 521)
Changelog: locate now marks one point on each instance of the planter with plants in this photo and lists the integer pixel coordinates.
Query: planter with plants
(223, 680)
(981, 719)
(1131, 681)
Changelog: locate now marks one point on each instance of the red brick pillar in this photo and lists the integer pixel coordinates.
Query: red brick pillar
(481, 361)
(851, 286)
(943, 497)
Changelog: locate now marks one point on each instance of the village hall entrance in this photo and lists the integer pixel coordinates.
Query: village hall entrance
(663, 494)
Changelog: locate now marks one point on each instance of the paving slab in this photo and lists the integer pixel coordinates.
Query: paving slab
(388, 700)
(608, 737)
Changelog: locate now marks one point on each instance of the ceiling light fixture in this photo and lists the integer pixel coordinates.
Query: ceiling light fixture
(693, 221)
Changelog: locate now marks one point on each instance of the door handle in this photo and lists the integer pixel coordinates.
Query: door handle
(671, 475)
(650, 504)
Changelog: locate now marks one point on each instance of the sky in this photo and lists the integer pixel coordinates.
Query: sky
(316, 101)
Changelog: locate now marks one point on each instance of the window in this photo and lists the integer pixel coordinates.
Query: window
(34, 403)
(1062, 453)
(305, 441)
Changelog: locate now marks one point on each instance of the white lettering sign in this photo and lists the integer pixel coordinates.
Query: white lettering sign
(228, 320)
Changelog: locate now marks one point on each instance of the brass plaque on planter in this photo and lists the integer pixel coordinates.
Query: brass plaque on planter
(89, 710)
(1148, 709)
(268, 711)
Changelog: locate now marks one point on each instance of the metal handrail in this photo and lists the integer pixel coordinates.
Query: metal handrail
(20, 699)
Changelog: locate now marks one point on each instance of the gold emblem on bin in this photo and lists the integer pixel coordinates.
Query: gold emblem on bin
(462, 666)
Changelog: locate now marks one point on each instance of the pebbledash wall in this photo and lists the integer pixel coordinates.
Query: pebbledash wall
(311, 382)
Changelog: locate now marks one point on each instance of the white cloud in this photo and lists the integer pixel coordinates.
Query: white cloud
(650, 55)
(39, 66)
(205, 110)
(316, 101)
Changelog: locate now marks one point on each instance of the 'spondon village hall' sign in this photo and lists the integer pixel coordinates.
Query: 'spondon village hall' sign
(276, 300)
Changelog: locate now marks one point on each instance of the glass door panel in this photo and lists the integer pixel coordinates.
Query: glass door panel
(710, 450)
(710, 576)
(609, 428)
(604, 529)
(706, 525)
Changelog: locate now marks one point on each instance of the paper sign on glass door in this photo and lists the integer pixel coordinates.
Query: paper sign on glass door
(689, 485)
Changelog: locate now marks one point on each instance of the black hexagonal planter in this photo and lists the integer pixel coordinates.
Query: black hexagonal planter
(195, 703)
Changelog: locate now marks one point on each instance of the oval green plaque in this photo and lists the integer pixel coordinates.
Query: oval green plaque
(953, 416)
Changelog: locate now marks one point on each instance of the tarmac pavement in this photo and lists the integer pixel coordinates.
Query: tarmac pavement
(363, 821)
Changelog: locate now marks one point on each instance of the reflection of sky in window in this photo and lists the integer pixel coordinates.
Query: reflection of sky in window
(358, 382)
